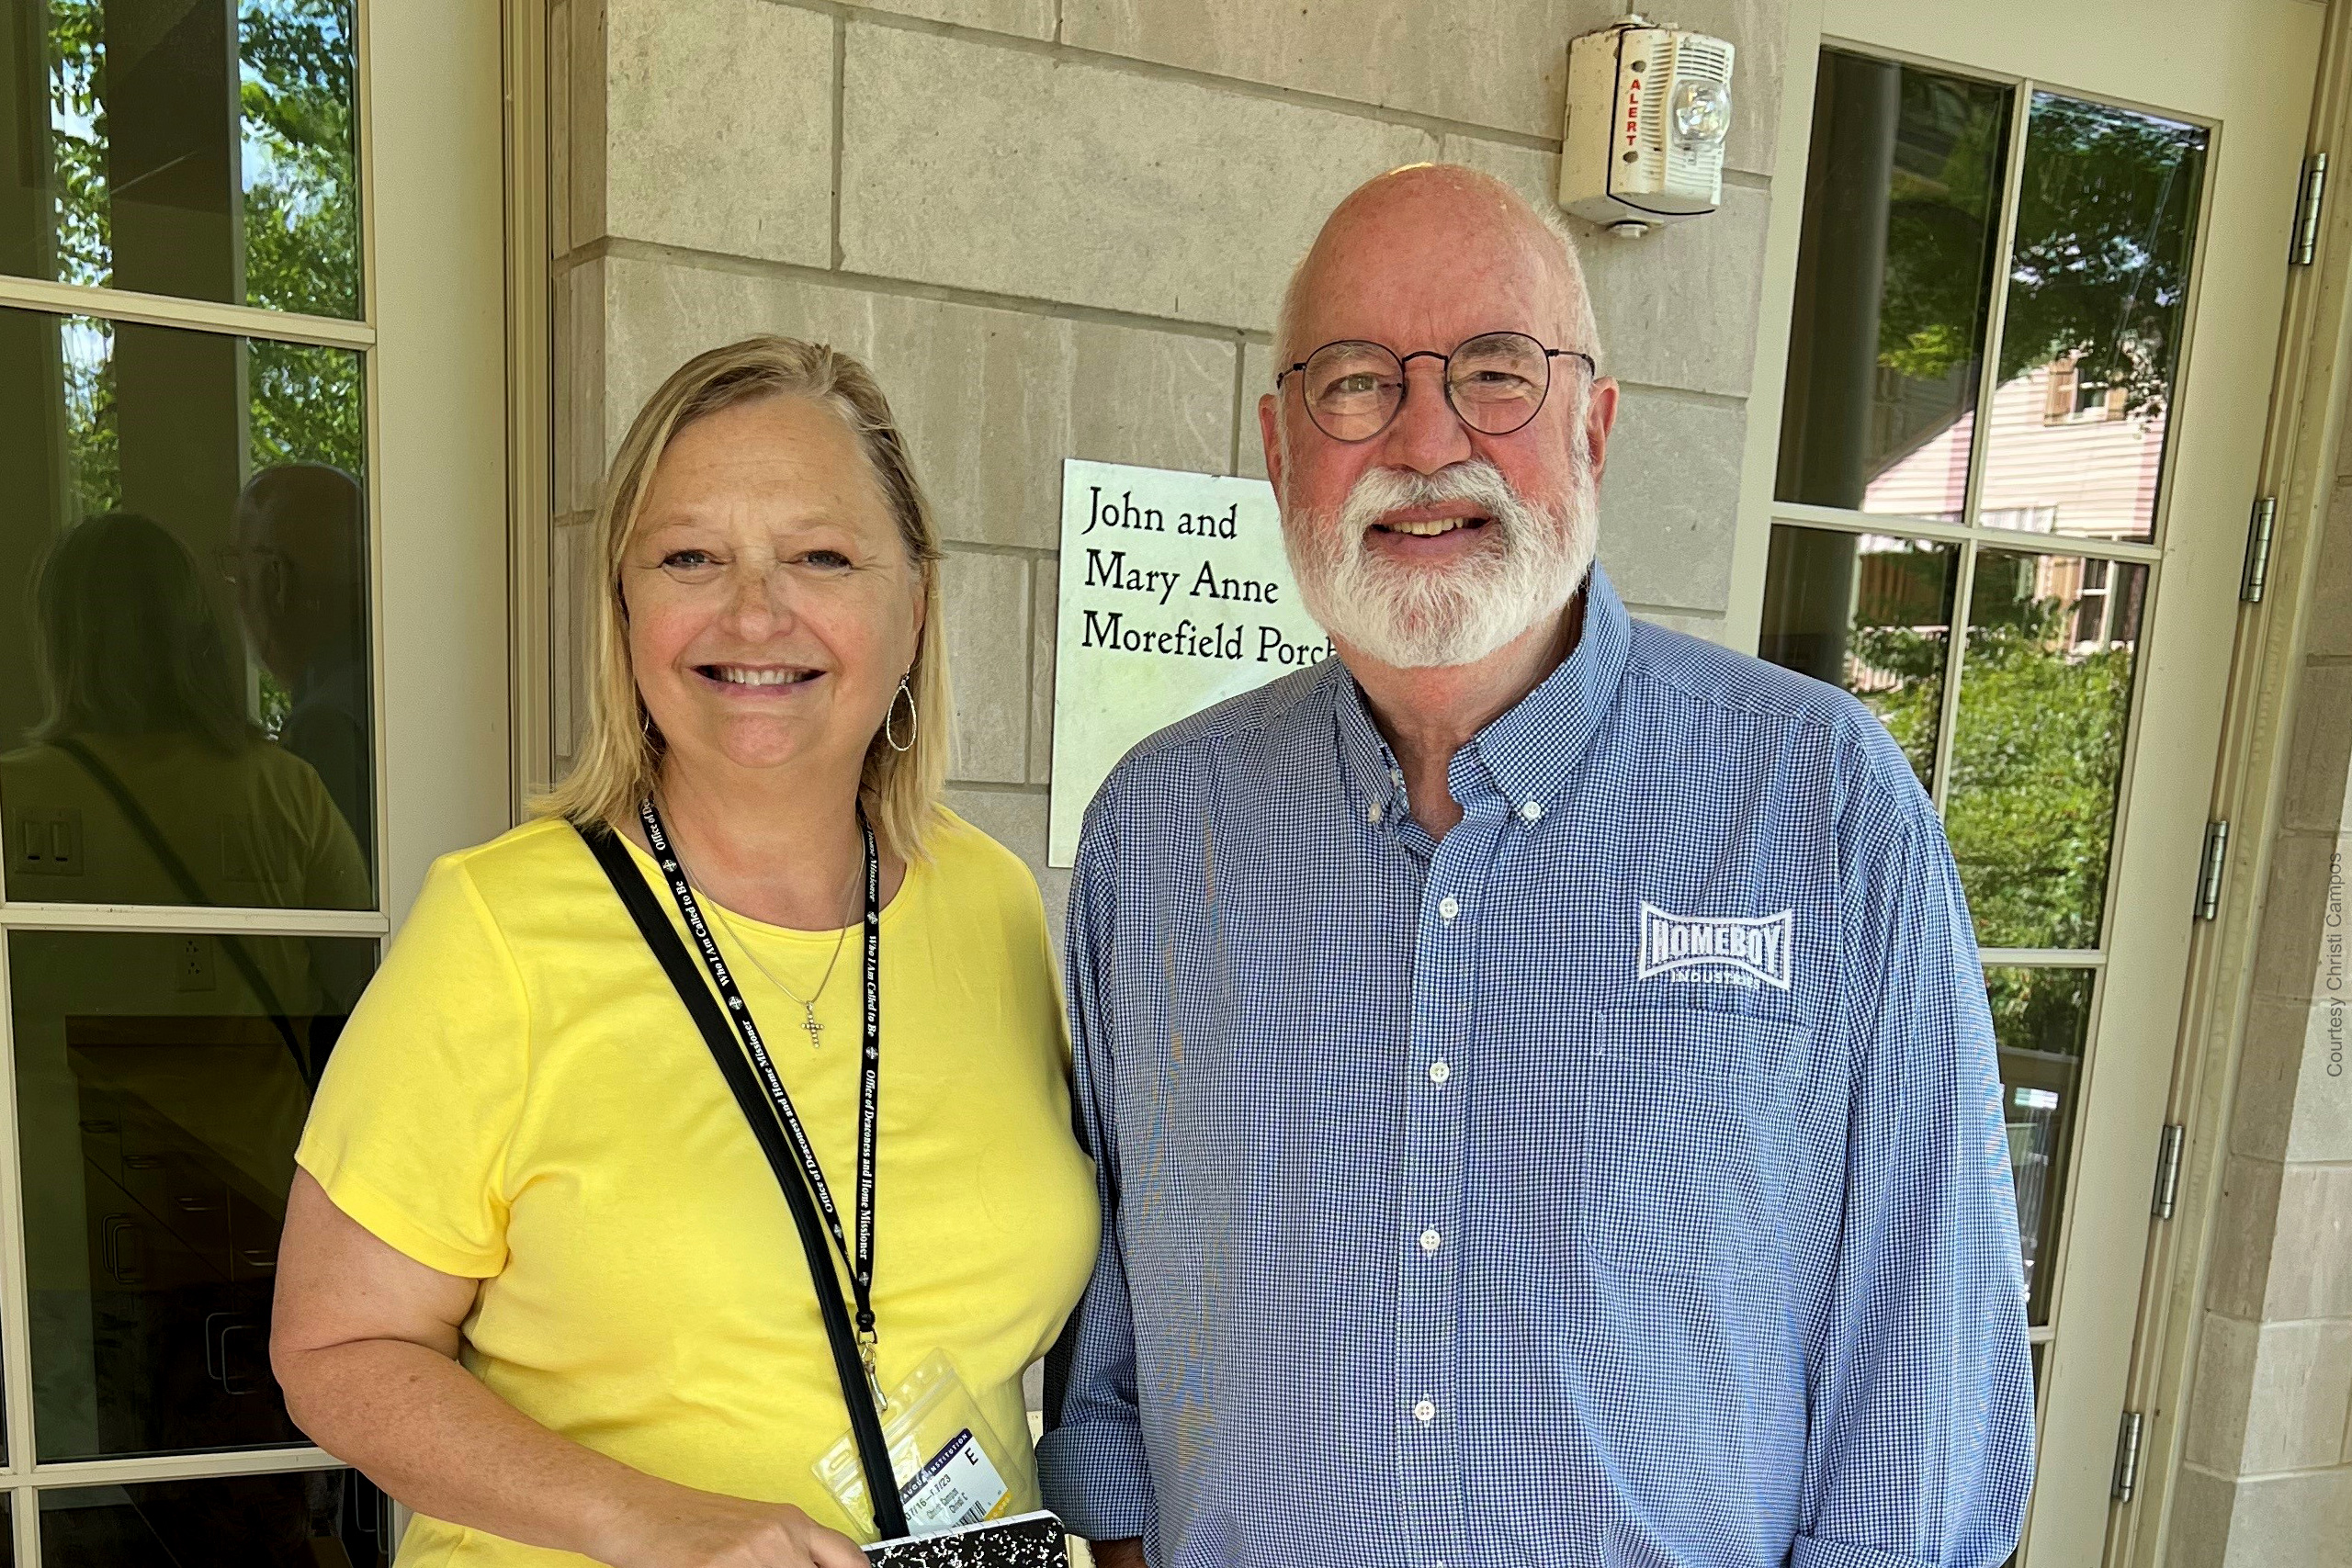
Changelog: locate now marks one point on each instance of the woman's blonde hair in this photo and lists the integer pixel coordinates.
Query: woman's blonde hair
(621, 753)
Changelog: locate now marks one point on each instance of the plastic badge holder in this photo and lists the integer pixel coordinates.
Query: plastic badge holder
(940, 1451)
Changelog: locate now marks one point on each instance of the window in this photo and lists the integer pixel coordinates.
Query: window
(1991, 286)
(190, 779)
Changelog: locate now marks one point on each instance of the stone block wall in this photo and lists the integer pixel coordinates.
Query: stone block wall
(1060, 228)
(2266, 1475)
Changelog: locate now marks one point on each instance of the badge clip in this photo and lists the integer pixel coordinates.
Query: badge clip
(868, 1351)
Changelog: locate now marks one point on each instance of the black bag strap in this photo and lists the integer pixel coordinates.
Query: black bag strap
(190, 889)
(693, 991)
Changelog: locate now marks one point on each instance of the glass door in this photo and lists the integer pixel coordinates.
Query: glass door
(1994, 523)
(192, 744)
(1980, 582)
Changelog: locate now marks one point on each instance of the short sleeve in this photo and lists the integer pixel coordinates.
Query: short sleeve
(410, 1132)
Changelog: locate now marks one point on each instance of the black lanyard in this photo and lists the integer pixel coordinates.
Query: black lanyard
(869, 1087)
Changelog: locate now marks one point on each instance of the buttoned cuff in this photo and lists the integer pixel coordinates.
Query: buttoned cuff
(1096, 1477)
(1810, 1552)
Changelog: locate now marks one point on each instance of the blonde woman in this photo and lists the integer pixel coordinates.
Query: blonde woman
(540, 1280)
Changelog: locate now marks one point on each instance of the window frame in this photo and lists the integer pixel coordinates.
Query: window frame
(442, 424)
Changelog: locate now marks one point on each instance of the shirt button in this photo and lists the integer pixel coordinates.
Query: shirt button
(1431, 1241)
(1374, 813)
(1425, 1411)
(1531, 810)
(1439, 1072)
(1448, 906)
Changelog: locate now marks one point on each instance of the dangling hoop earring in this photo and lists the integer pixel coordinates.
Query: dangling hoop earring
(891, 715)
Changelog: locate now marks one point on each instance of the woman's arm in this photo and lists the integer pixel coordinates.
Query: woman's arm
(365, 1344)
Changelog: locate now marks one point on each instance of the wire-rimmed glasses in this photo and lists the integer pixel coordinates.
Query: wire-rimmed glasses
(1495, 383)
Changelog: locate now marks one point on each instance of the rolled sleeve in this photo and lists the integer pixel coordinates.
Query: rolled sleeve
(1092, 1462)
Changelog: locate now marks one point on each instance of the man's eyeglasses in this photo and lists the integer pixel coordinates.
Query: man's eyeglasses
(1495, 382)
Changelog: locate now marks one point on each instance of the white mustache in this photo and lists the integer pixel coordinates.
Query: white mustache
(1526, 563)
(1380, 491)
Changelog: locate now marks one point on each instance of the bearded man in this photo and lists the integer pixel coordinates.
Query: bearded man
(1537, 1066)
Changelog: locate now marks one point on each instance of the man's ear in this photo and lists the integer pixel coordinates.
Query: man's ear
(1600, 418)
(1270, 433)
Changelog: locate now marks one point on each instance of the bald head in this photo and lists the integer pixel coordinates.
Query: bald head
(1431, 540)
(1429, 236)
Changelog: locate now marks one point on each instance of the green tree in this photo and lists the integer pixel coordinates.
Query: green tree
(2107, 220)
(2106, 230)
(2035, 756)
(301, 221)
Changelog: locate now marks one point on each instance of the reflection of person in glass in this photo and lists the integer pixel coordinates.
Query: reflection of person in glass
(195, 1049)
(175, 795)
(299, 568)
(146, 734)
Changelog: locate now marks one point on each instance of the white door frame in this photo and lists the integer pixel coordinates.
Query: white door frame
(432, 94)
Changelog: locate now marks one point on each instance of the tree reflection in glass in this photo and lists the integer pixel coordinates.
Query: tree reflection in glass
(1869, 614)
(2038, 746)
(1894, 274)
(195, 148)
(2097, 292)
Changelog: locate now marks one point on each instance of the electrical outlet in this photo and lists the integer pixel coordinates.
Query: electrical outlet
(46, 841)
(191, 962)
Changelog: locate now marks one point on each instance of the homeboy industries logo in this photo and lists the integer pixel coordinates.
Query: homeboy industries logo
(1727, 952)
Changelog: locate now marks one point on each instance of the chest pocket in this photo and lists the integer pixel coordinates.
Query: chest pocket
(1684, 1119)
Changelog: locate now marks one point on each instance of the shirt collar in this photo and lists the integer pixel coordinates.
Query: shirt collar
(1528, 753)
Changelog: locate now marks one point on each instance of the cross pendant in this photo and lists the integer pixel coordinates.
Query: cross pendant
(816, 1031)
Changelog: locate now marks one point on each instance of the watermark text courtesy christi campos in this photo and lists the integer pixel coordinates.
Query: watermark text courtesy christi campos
(2332, 967)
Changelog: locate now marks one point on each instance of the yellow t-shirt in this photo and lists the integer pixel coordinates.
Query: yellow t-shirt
(520, 1098)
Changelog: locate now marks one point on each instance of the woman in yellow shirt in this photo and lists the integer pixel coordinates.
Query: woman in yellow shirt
(540, 1280)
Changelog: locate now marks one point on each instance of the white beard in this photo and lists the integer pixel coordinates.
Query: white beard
(1527, 566)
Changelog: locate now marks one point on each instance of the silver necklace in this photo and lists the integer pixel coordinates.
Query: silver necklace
(807, 1005)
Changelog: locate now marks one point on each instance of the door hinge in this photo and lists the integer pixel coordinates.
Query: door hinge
(2307, 210)
(2168, 1148)
(2209, 871)
(2127, 1458)
(2256, 576)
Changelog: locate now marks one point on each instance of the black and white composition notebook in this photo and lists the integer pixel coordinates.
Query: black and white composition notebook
(1029, 1540)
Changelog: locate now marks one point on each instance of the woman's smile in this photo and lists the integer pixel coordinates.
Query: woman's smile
(758, 682)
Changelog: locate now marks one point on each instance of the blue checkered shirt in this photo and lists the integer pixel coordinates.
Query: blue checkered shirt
(1618, 1180)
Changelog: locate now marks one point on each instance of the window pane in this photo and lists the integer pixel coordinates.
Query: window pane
(162, 1081)
(162, 153)
(1895, 270)
(1869, 614)
(303, 1520)
(2045, 692)
(2040, 1018)
(2097, 294)
(186, 711)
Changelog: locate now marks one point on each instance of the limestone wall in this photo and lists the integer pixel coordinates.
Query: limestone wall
(1059, 228)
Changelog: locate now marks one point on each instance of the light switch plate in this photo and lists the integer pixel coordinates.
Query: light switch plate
(45, 841)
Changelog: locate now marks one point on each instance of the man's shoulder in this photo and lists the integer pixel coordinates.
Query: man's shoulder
(1797, 717)
(1230, 731)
